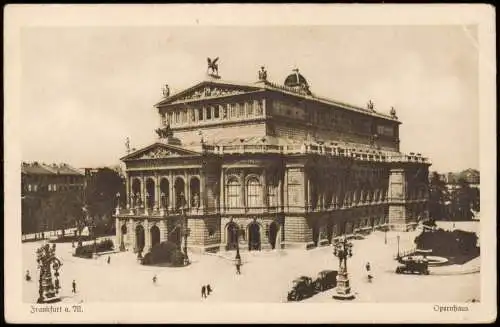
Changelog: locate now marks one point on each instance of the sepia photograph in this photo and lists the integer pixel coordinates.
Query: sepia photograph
(228, 159)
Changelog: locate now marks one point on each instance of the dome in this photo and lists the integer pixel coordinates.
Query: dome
(295, 79)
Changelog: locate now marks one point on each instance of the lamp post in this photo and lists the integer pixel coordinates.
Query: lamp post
(398, 246)
(237, 231)
(343, 249)
(385, 234)
(117, 211)
(186, 231)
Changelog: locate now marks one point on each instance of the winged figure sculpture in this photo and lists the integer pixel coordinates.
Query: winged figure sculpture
(212, 65)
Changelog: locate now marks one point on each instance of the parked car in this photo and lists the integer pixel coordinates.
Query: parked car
(326, 279)
(302, 287)
(413, 265)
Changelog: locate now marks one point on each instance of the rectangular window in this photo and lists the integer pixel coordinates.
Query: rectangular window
(249, 109)
(232, 110)
(217, 111)
(233, 193)
(254, 193)
(241, 110)
(209, 113)
(200, 114)
(271, 196)
(50, 187)
(35, 187)
(29, 187)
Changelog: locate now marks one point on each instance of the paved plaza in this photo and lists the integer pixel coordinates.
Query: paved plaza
(266, 275)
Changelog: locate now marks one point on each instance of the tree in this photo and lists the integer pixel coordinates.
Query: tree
(462, 201)
(60, 210)
(438, 195)
(100, 197)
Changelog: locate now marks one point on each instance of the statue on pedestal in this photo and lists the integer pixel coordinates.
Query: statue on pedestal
(166, 91)
(262, 74)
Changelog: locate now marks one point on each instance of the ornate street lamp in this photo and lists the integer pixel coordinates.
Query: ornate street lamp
(398, 247)
(117, 212)
(343, 249)
(48, 289)
(237, 231)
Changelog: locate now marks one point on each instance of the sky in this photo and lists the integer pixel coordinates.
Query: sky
(86, 89)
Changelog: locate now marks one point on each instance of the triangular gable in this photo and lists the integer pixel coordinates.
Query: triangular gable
(159, 150)
(208, 89)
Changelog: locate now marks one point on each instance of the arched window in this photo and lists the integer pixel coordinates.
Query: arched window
(254, 198)
(233, 193)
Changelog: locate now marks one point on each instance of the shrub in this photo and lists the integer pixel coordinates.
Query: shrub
(165, 252)
(86, 251)
(177, 258)
(447, 243)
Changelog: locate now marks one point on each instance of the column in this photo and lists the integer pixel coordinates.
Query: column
(147, 236)
(171, 196)
(127, 190)
(264, 189)
(264, 109)
(118, 232)
(242, 190)
(280, 193)
(157, 192)
(308, 199)
(131, 233)
(222, 199)
(187, 191)
(202, 195)
(143, 191)
(285, 191)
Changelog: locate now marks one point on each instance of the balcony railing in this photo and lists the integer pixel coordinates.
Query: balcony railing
(336, 151)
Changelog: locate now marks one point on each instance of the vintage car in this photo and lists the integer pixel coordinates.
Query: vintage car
(326, 279)
(413, 265)
(302, 288)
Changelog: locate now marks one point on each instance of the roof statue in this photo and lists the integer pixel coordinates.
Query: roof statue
(262, 74)
(393, 112)
(165, 131)
(370, 105)
(166, 91)
(212, 65)
(127, 145)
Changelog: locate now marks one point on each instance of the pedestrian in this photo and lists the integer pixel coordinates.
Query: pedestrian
(368, 267)
(28, 277)
(203, 292)
(154, 279)
(238, 266)
(74, 286)
(109, 259)
(209, 289)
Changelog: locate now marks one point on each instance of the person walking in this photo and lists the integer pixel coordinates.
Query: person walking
(154, 279)
(28, 277)
(74, 286)
(209, 289)
(368, 268)
(238, 266)
(203, 292)
(109, 259)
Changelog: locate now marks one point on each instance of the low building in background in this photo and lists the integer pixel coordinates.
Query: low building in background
(40, 183)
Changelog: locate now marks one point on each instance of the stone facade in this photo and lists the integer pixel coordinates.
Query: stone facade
(267, 166)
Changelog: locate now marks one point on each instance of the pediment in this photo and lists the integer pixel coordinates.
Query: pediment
(208, 90)
(159, 151)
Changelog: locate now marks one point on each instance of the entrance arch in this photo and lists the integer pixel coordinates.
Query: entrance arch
(180, 197)
(273, 233)
(253, 236)
(164, 192)
(139, 238)
(150, 191)
(232, 236)
(155, 235)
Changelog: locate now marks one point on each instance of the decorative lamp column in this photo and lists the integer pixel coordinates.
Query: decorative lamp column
(117, 211)
(237, 231)
(342, 250)
(186, 232)
(48, 289)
